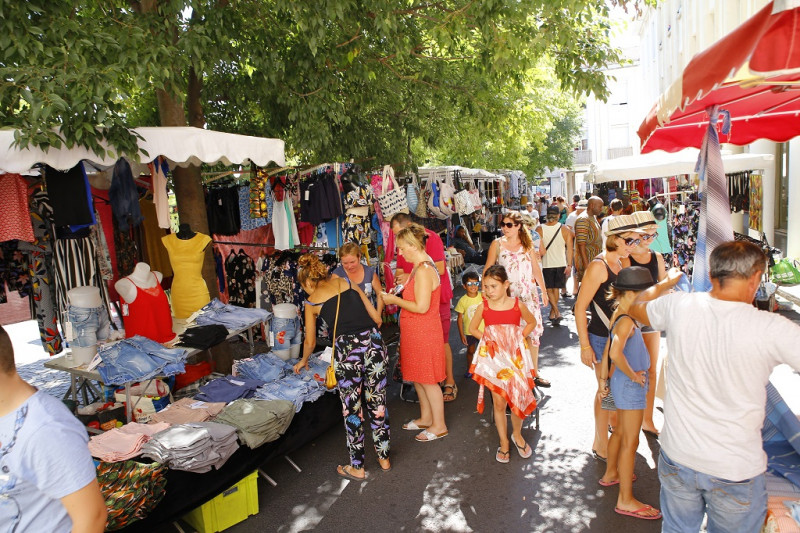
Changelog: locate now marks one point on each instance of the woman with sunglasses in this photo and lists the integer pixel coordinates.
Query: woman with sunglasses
(516, 252)
(653, 261)
(622, 237)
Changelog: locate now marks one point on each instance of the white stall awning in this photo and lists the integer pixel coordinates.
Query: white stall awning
(661, 164)
(467, 173)
(181, 146)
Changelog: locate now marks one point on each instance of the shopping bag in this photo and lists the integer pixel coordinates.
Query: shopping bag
(392, 200)
(786, 272)
(412, 195)
(464, 204)
(447, 203)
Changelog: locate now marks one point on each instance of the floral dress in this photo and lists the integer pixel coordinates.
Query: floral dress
(520, 273)
(503, 362)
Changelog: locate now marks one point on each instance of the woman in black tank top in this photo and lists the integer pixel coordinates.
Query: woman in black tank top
(360, 358)
(622, 237)
(654, 262)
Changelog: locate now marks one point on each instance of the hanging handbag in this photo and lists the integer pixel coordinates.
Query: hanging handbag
(330, 374)
(392, 201)
(412, 195)
(475, 195)
(786, 272)
(447, 203)
(464, 204)
(434, 202)
(422, 207)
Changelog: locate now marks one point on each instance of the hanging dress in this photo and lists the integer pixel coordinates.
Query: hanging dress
(189, 290)
(503, 362)
(520, 273)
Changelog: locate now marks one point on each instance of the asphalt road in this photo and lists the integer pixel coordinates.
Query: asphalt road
(454, 484)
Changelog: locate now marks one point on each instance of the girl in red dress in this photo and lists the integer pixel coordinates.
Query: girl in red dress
(504, 362)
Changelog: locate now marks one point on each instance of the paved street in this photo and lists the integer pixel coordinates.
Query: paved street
(455, 484)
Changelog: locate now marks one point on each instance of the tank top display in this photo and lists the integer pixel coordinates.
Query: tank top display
(651, 266)
(189, 290)
(556, 254)
(507, 316)
(148, 314)
(599, 325)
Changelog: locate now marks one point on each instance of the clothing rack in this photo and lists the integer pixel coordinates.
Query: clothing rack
(262, 245)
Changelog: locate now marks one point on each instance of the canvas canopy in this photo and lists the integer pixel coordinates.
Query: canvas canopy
(469, 173)
(181, 146)
(661, 164)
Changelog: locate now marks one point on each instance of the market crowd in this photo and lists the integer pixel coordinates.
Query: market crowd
(711, 461)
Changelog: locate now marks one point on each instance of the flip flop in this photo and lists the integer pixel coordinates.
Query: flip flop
(344, 471)
(653, 434)
(637, 513)
(411, 425)
(429, 436)
(453, 392)
(599, 457)
(522, 449)
(501, 456)
(611, 483)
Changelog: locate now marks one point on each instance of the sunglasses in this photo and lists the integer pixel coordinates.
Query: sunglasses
(473, 284)
(509, 224)
(649, 236)
(632, 242)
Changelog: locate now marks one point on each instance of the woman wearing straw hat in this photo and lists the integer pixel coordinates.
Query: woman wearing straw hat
(622, 237)
(643, 256)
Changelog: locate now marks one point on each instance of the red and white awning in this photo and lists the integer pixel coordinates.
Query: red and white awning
(753, 73)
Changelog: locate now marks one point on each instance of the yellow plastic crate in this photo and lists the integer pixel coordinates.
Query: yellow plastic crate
(227, 509)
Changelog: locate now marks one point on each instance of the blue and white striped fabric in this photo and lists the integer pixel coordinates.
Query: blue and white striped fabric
(715, 212)
(781, 436)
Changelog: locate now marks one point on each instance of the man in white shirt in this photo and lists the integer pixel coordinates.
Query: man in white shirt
(615, 210)
(721, 353)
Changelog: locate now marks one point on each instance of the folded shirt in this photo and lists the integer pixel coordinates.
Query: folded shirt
(187, 410)
(203, 337)
(195, 447)
(121, 444)
(258, 421)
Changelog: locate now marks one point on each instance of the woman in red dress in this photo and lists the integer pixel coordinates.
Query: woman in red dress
(421, 360)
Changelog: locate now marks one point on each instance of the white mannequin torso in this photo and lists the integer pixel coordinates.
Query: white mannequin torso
(86, 297)
(285, 310)
(142, 277)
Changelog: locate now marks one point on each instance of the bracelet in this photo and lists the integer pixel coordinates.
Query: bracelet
(584, 347)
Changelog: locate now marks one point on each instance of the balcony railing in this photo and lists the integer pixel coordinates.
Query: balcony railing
(581, 157)
(614, 153)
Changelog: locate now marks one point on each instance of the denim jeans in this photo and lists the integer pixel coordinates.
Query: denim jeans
(286, 332)
(732, 506)
(264, 366)
(139, 358)
(230, 316)
(89, 324)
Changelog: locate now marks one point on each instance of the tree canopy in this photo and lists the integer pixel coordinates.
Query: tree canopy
(490, 83)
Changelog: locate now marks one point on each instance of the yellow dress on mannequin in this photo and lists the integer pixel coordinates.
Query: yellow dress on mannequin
(189, 290)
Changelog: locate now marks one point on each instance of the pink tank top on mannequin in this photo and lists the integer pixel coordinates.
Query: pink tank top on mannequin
(149, 314)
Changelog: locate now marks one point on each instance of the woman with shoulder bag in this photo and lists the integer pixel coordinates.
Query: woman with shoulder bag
(360, 358)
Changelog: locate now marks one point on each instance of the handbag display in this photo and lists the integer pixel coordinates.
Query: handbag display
(447, 191)
(391, 201)
(786, 272)
(434, 201)
(330, 373)
(464, 205)
(412, 195)
(475, 195)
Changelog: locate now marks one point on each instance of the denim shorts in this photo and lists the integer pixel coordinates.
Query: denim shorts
(89, 325)
(628, 395)
(598, 345)
(286, 332)
(139, 358)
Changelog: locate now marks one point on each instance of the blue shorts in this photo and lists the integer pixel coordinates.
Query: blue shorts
(286, 332)
(472, 341)
(598, 345)
(89, 325)
(628, 395)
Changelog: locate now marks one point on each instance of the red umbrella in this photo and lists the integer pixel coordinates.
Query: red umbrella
(753, 73)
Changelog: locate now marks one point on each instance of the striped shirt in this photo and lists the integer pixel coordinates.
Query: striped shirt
(587, 232)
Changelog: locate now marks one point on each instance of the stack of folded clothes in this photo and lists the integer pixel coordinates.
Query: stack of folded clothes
(187, 410)
(230, 316)
(139, 358)
(257, 421)
(203, 337)
(264, 366)
(121, 444)
(194, 447)
(228, 388)
(297, 389)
